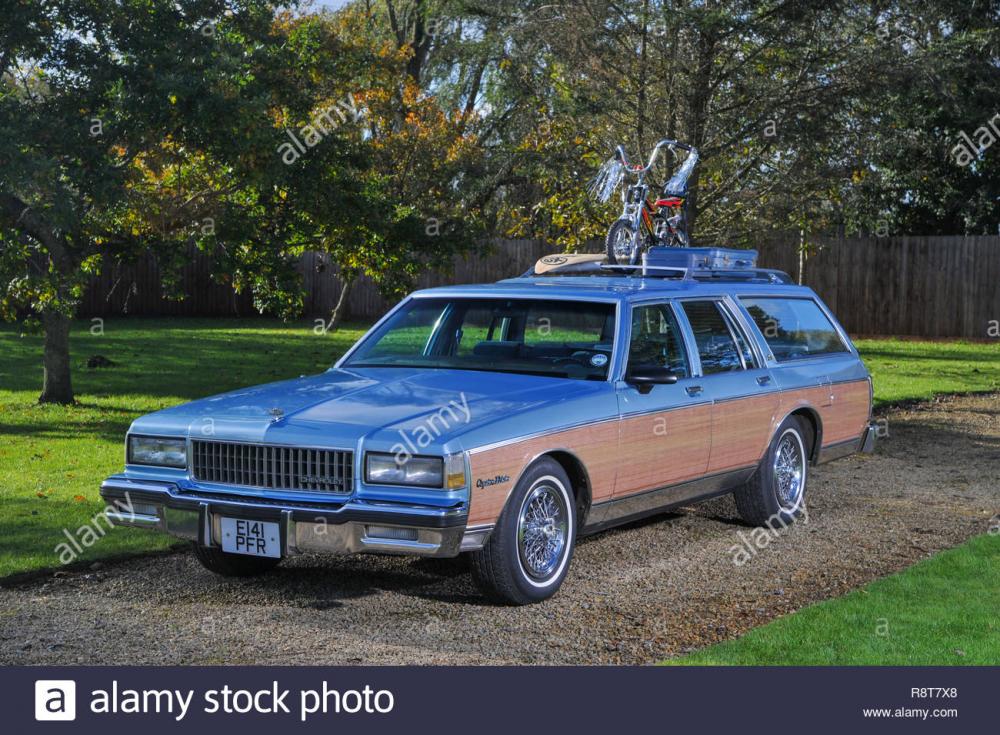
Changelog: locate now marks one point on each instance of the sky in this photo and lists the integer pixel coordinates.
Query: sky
(332, 4)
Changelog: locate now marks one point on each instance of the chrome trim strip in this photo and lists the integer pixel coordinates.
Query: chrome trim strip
(384, 544)
(140, 520)
(740, 397)
(536, 434)
(670, 409)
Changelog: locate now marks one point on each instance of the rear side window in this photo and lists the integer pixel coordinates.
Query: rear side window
(716, 346)
(795, 329)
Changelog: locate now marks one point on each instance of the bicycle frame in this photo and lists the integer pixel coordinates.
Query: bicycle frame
(645, 213)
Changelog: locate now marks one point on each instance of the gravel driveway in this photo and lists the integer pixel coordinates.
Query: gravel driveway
(637, 594)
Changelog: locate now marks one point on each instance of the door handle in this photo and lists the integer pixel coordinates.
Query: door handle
(693, 390)
(764, 380)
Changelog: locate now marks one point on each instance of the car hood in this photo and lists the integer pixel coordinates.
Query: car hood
(340, 407)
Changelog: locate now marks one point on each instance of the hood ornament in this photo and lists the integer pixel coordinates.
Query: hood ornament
(276, 415)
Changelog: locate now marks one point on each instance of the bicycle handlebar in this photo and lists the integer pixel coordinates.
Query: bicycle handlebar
(666, 142)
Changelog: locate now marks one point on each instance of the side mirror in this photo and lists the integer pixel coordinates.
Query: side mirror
(644, 377)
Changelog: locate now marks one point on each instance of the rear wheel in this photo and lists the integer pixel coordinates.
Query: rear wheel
(620, 244)
(233, 565)
(775, 495)
(528, 553)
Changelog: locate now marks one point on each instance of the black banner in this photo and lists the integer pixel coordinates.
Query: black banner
(561, 699)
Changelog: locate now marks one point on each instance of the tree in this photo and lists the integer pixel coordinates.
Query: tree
(817, 115)
(911, 132)
(421, 155)
(106, 107)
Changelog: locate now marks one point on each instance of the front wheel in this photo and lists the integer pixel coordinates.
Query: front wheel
(527, 556)
(621, 245)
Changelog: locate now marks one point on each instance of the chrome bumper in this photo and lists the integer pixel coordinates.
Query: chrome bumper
(349, 528)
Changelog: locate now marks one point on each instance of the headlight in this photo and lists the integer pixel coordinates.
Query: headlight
(158, 451)
(383, 469)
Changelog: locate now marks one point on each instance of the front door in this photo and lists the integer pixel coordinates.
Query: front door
(666, 432)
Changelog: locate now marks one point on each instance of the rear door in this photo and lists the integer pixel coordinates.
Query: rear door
(666, 432)
(734, 376)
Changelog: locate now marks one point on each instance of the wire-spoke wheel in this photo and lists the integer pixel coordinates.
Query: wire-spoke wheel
(775, 495)
(542, 531)
(789, 470)
(528, 553)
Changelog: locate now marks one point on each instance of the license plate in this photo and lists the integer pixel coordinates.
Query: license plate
(253, 538)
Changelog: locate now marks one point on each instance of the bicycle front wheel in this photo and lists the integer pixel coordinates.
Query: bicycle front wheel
(621, 243)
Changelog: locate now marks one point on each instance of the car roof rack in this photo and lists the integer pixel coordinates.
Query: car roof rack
(591, 267)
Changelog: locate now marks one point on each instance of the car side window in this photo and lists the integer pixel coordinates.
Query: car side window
(656, 340)
(794, 328)
(717, 349)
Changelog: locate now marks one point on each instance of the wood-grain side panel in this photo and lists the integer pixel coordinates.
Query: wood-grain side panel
(741, 431)
(847, 417)
(640, 453)
(664, 448)
(596, 446)
(842, 407)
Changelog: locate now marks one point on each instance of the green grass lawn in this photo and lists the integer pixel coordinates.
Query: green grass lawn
(906, 370)
(945, 610)
(52, 459)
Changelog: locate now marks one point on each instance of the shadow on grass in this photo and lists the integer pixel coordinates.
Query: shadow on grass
(183, 358)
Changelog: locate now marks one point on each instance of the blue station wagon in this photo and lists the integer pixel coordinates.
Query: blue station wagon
(505, 420)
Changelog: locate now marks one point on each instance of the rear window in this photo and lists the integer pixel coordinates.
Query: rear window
(795, 329)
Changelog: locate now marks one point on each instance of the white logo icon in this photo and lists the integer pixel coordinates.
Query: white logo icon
(55, 700)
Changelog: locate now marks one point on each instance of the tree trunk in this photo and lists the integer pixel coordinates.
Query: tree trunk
(58, 384)
(341, 308)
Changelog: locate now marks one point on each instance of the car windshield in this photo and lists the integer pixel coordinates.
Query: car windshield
(564, 339)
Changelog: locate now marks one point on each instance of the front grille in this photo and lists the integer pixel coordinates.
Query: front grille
(274, 467)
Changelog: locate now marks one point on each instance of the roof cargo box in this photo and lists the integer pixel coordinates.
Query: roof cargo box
(695, 259)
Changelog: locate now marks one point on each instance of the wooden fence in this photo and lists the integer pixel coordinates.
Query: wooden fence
(919, 286)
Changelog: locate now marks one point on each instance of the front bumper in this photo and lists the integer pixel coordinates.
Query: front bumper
(347, 528)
